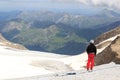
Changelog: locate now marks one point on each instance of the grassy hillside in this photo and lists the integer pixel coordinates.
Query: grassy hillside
(49, 39)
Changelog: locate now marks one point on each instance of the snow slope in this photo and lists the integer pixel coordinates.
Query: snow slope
(16, 64)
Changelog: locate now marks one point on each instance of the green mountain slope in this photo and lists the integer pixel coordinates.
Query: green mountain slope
(50, 39)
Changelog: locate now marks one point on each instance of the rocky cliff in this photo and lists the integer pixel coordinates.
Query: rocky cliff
(111, 51)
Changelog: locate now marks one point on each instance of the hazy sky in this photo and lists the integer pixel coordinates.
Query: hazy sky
(7, 5)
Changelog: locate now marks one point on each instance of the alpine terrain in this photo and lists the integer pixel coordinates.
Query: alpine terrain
(24, 64)
(57, 32)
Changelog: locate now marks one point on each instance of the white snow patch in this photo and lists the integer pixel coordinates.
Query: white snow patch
(17, 63)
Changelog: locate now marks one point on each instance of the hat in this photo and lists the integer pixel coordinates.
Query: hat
(91, 41)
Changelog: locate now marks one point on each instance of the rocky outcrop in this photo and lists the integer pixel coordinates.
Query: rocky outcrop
(107, 35)
(110, 53)
(7, 43)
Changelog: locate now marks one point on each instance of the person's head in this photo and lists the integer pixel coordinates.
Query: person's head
(92, 41)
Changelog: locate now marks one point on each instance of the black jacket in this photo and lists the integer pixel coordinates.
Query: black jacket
(91, 49)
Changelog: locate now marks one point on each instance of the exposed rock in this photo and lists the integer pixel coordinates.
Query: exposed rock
(7, 43)
(107, 35)
(110, 53)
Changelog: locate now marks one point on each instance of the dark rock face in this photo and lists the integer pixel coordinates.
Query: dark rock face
(110, 53)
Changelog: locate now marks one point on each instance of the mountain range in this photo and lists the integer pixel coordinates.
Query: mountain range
(61, 33)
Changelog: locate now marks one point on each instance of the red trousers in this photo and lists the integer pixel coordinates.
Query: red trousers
(90, 62)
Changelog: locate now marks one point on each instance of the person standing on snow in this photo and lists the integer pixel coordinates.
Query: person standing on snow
(91, 51)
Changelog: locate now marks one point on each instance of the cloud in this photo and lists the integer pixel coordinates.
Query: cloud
(101, 3)
(113, 4)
